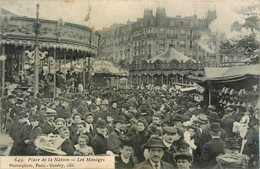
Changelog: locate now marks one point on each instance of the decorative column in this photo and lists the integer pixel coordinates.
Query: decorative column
(54, 75)
(3, 58)
(84, 74)
(36, 62)
(162, 79)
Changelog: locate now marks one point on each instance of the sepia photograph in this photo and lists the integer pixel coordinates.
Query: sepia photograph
(129, 84)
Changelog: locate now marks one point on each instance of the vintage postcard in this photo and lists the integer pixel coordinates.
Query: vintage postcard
(129, 84)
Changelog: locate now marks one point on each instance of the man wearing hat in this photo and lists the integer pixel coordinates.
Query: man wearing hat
(183, 160)
(99, 141)
(48, 126)
(156, 150)
(168, 138)
(113, 141)
(227, 121)
(206, 136)
(191, 108)
(34, 132)
(177, 120)
(212, 148)
(89, 118)
(19, 146)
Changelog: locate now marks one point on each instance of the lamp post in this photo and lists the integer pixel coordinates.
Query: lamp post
(2, 59)
(36, 63)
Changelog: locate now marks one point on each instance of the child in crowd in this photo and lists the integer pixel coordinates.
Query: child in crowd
(82, 149)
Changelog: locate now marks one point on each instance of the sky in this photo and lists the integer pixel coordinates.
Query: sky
(106, 12)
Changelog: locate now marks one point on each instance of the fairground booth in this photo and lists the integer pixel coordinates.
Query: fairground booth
(170, 67)
(235, 85)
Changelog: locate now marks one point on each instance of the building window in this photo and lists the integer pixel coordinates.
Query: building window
(190, 44)
(181, 23)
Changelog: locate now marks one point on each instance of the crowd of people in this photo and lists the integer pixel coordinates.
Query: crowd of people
(142, 128)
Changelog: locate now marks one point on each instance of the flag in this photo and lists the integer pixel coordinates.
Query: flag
(87, 17)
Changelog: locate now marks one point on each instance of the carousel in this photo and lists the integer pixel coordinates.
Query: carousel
(58, 43)
(170, 67)
(109, 75)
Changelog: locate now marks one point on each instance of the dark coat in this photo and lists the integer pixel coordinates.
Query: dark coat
(147, 165)
(138, 140)
(206, 137)
(47, 128)
(169, 156)
(210, 152)
(113, 141)
(32, 136)
(19, 147)
(68, 147)
(99, 144)
(119, 164)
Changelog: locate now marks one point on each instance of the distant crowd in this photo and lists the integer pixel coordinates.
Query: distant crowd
(142, 128)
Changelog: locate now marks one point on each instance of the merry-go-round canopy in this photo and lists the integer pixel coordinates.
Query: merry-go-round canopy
(107, 68)
(171, 54)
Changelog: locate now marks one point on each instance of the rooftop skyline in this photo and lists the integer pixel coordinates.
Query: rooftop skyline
(105, 13)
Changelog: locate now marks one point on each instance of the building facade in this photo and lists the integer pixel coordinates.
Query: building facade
(152, 35)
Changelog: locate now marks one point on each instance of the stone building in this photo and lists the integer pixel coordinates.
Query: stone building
(152, 35)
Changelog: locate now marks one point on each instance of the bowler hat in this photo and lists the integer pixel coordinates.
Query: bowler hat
(101, 123)
(177, 118)
(50, 112)
(34, 117)
(65, 115)
(156, 143)
(184, 155)
(215, 127)
(169, 129)
(23, 113)
(232, 143)
(119, 118)
(213, 116)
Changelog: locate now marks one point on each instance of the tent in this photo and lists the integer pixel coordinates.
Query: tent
(234, 77)
(171, 54)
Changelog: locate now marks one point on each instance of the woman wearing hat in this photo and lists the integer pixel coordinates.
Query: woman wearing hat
(99, 141)
(140, 138)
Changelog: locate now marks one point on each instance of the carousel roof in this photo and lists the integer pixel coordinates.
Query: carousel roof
(170, 55)
(106, 67)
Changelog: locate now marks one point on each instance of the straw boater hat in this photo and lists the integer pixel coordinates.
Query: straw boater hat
(50, 112)
(49, 144)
